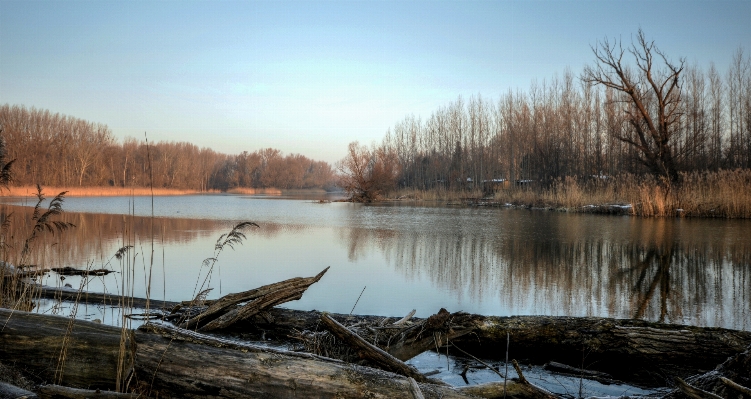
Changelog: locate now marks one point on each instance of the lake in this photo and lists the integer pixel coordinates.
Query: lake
(396, 257)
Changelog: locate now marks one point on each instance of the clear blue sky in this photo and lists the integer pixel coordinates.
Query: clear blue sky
(309, 77)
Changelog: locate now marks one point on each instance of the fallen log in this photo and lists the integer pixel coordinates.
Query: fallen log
(58, 349)
(95, 298)
(634, 351)
(219, 315)
(178, 367)
(72, 271)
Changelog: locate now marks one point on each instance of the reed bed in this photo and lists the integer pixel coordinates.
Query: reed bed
(720, 194)
(723, 194)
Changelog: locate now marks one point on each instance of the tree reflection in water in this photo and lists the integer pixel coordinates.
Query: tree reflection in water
(656, 269)
(499, 262)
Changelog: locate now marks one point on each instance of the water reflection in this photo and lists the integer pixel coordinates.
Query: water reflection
(488, 261)
(96, 237)
(678, 271)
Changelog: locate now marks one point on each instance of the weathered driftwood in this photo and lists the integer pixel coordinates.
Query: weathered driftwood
(402, 340)
(433, 332)
(730, 379)
(8, 391)
(693, 392)
(79, 354)
(224, 312)
(738, 387)
(634, 351)
(60, 392)
(370, 352)
(190, 366)
(629, 350)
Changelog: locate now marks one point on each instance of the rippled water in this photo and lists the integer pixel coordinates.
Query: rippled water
(480, 260)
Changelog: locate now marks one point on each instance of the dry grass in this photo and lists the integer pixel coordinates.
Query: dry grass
(723, 194)
(29, 191)
(254, 191)
(434, 194)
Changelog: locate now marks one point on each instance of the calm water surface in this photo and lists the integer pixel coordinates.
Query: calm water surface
(481, 260)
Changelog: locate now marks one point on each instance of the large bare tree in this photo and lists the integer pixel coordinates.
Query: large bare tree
(367, 174)
(651, 96)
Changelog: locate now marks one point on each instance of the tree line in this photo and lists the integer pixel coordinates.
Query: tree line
(63, 151)
(633, 111)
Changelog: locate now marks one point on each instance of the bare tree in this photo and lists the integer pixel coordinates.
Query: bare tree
(367, 174)
(652, 98)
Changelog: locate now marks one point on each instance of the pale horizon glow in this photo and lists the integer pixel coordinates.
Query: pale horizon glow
(309, 77)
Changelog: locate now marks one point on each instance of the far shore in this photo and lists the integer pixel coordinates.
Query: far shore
(30, 191)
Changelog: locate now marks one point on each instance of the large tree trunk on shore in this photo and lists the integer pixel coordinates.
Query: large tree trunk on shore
(82, 354)
(630, 350)
(634, 351)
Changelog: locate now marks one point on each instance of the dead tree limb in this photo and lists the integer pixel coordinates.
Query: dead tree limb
(737, 387)
(370, 352)
(694, 392)
(415, 389)
(539, 392)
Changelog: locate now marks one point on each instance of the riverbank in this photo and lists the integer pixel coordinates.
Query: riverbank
(30, 191)
(157, 355)
(722, 194)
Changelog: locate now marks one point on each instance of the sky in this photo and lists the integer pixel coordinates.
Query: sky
(309, 77)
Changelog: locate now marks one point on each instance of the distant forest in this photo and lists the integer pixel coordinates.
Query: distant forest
(62, 151)
(566, 126)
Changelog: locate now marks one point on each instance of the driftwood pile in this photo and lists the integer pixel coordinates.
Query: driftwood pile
(349, 356)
